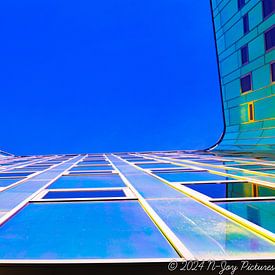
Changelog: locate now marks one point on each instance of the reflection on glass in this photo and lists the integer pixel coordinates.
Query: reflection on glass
(232, 190)
(95, 181)
(158, 165)
(208, 234)
(193, 177)
(84, 194)
(261, 213)
(90, 168)
(7, 182)
(97, 230)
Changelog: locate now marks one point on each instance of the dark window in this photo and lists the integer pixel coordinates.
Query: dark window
(268, 7)
(270, 39)
(272, 68)
(241, 3)
(245, 24)
(246, 83)
(244, 54)
(251, 111)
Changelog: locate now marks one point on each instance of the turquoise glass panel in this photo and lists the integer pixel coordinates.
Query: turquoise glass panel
(261, 213)
(254, 167)
(97, 230)
(266, 191)
(96, 181)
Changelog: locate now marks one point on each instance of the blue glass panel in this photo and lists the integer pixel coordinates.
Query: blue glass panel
(97, 230)
(10, 174)
(7, 182)
(270, 39)
(92, 172)
(147, 185)
(193, 176)
(245, 24)
(244, 54)
(212, 162)
(140, 160)
(261, 213)
(268, 7)
(103, 162)
(207, 234)
(241, 3)
(96, 181)
(84, 194)
(26, 169)
(174, 171)
(88, 168)
(246, 83)
(158, 165)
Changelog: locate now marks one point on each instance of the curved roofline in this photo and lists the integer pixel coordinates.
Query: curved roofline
(220, 82)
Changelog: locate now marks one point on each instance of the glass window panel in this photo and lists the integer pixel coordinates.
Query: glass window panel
(90, 172)
(10, 174)
(84, 194)
(252, 166)
(7, 182)
(270, 39)
(83, 231)
(245, 24)
(174, 171)
(264, 191)
(158, 165)
(246, 84)
(96, 181)
(136, 159)
(88, 168)
(214, 162)
(232, 190)
(25, 169)
(272, 68)
(244, 54)
(92, 163)
(261, 213)
(193, 177)
(207, 234)
(241, 3)
(268, 7)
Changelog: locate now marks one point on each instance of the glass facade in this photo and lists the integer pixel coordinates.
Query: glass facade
(244, 34)
(193, 205)
(214, 204)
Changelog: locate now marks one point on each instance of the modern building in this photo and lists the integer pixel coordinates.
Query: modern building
(152, 207)
(245, 32)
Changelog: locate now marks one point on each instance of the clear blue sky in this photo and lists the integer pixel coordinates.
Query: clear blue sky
(93, 76)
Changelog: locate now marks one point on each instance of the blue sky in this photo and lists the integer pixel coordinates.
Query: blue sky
(101, 76)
